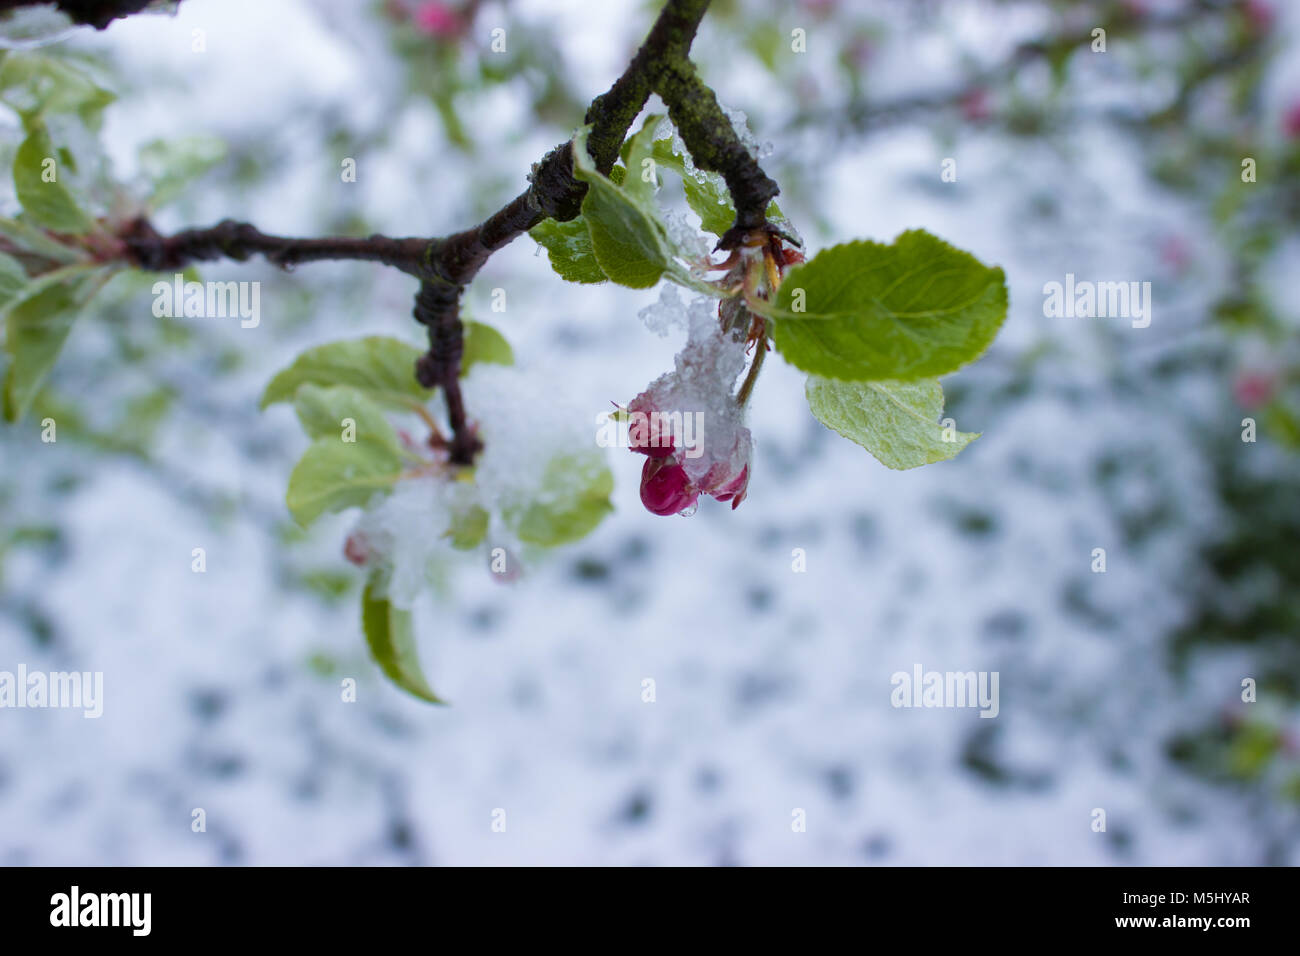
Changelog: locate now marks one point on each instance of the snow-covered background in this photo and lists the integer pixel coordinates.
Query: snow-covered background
(222, 689)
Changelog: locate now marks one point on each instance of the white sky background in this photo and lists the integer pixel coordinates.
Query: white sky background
(773, 687)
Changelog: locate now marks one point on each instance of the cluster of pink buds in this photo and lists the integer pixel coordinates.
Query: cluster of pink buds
(716, 462)
(667, 487)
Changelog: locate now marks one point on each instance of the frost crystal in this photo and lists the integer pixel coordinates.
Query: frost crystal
(404, 532)
(740, 123)
(524, 427)
(667, 314)
(688, 241)
(700, 389)
(666, 129)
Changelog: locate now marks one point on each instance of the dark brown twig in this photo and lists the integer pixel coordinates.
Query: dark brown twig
(446, 265)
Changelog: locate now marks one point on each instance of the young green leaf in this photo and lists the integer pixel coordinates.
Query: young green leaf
(391, 640)
(333, 475)
(12, 279)
(345, 413)
(866, 311)
(66, 275)
(171, 165)
(629, 241)
(898, 422)
(572, 500)
(468, 528)
(37, 241)
(484, 344)
(641, 176)
(36, 327)
(568, 247)
(44, 196)
(35, 330)
(627, 237)
(355, 455)
(30, 26)
(706, 191)
(383, 368)
(32, 83)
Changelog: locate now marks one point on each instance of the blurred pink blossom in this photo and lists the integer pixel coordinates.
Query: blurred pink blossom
(1291, 120)
(436, 19)
(1253, 388)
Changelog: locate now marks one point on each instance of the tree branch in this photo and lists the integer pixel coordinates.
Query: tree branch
(95, 13)
(147, 249)
(714, 146)
(446, 265)
(864, 117)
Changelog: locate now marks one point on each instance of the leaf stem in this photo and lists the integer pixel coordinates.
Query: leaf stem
(747, 386)
(427, 417)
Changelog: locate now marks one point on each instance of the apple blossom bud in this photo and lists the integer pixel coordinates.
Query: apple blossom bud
(1252, 389)
(436, 20)
(665, 487)
(357, 549)
(734, 490)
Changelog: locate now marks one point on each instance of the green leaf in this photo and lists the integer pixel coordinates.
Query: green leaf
(50, 204)
(12, 279)
(333, 475)
(391, 640)
(383, 368)
(641, 179)
(32, 83)
(355, 454)
(64, 275)
(324, 412)
(468, 528)
(34, 240)
(629, 241)
(706, 191)
(572, 500)
(484, 344)
(36, 327)
(568, 247)
(627, 237)
(862, 311)
(171, 165)
(31, 26)
(898, 422)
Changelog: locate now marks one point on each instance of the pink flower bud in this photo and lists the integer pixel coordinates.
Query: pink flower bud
(436, 20)
(819, 7)
(734, 490)
(505, 567)
(649, 432)
(860, 52)
(975, 105)
(1252, 389)
(665, 487)
(357, 549)
(1175, 253)
(1259, 15)
(1291, 121)
(650, 427)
